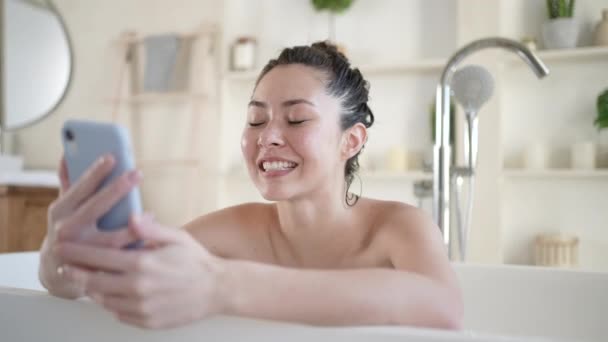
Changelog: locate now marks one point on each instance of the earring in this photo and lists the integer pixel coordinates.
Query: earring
(351, 198)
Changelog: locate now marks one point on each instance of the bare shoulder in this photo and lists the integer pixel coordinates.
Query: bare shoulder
(413, 240)
(233, 232)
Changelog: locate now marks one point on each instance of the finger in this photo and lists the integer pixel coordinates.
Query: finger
(98, 284)
(114, 239)
(125, 305)
(138, 321)
(99, 204)
(63, 176)
(106, 259)
(147, 229)
(118, 238)
(79, 276)
(87, 184)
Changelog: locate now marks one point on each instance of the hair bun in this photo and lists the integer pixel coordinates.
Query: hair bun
(331, 49)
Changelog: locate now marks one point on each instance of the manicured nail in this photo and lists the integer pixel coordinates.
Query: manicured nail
(97, 298)
(137, 219)
(66, 271)
(135, 175)
(100, 161)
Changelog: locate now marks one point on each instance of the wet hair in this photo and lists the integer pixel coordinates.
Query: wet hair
(342, 81)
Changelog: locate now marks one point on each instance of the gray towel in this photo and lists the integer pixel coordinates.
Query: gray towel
(161, 54)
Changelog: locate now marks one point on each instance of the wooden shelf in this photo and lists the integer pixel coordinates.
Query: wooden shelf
(138, 38)
(566, 55)
(160, 97)
(555, 174)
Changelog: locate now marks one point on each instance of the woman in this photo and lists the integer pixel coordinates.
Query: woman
(316, 255)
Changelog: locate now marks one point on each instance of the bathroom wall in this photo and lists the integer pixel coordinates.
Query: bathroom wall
(380, 32)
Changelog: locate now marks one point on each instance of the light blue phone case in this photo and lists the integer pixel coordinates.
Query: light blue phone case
(90, 140)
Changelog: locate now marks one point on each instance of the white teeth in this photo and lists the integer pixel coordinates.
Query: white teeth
(277, 165)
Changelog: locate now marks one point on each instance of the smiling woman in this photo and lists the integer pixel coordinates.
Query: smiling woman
(318, 254)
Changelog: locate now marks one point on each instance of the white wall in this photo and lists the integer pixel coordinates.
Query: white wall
(378, 32)
(95, 27)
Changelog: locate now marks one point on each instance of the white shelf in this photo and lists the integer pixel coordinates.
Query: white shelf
(555, 173)
(169, 163)
(420, 66)
(396, 176)
(242, 76)
(424, 65)
(567, 55)
(160, 97)
(407, 176)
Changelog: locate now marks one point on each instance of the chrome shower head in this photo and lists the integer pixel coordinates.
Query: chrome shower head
(473, 86)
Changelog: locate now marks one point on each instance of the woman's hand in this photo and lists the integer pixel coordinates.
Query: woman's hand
(73, 216)
(168, 285)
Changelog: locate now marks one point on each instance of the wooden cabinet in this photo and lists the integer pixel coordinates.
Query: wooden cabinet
(23, 211)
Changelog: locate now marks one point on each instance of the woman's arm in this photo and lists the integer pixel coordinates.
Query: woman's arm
(422, 290)
(344, 297)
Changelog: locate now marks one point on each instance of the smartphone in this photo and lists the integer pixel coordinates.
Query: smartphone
(86, 141)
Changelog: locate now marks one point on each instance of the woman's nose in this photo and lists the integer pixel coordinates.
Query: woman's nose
(271, 135)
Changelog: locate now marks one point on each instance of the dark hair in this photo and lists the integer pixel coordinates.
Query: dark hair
(343, 82)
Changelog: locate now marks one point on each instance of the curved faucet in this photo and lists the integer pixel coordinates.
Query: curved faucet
(442, 167)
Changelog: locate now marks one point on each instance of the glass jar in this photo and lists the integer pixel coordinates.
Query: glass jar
(243, 54)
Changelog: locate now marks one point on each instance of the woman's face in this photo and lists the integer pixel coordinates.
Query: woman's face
(291, 140)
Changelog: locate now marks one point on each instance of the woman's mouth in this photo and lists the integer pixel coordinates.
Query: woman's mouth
(277, 167)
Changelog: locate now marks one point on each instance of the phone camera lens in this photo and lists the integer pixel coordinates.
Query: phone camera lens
(69, 135)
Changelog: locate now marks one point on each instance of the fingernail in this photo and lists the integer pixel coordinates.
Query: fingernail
(137, 219)
(65, 271)
(97, 298)
(135, 175)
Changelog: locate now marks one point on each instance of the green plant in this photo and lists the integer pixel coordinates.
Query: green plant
(560, 8)
(335, 6)
(601, 121)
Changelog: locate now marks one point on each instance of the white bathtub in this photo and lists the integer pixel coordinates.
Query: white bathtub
(502, 303)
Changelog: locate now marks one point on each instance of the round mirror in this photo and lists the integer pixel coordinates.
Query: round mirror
(36, 65)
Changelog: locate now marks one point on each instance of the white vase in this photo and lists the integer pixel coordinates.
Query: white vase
(602, 148)
(600, 36)
(560, 33)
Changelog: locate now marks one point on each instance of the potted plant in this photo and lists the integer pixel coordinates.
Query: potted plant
(601, 122)
(561, 31)
(333, 7)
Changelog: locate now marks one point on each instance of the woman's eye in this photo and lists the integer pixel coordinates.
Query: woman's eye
(255, 124)
(296, 122)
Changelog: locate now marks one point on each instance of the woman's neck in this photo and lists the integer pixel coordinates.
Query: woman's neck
(321, 221)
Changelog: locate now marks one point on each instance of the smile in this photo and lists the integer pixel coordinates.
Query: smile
(276, 167)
